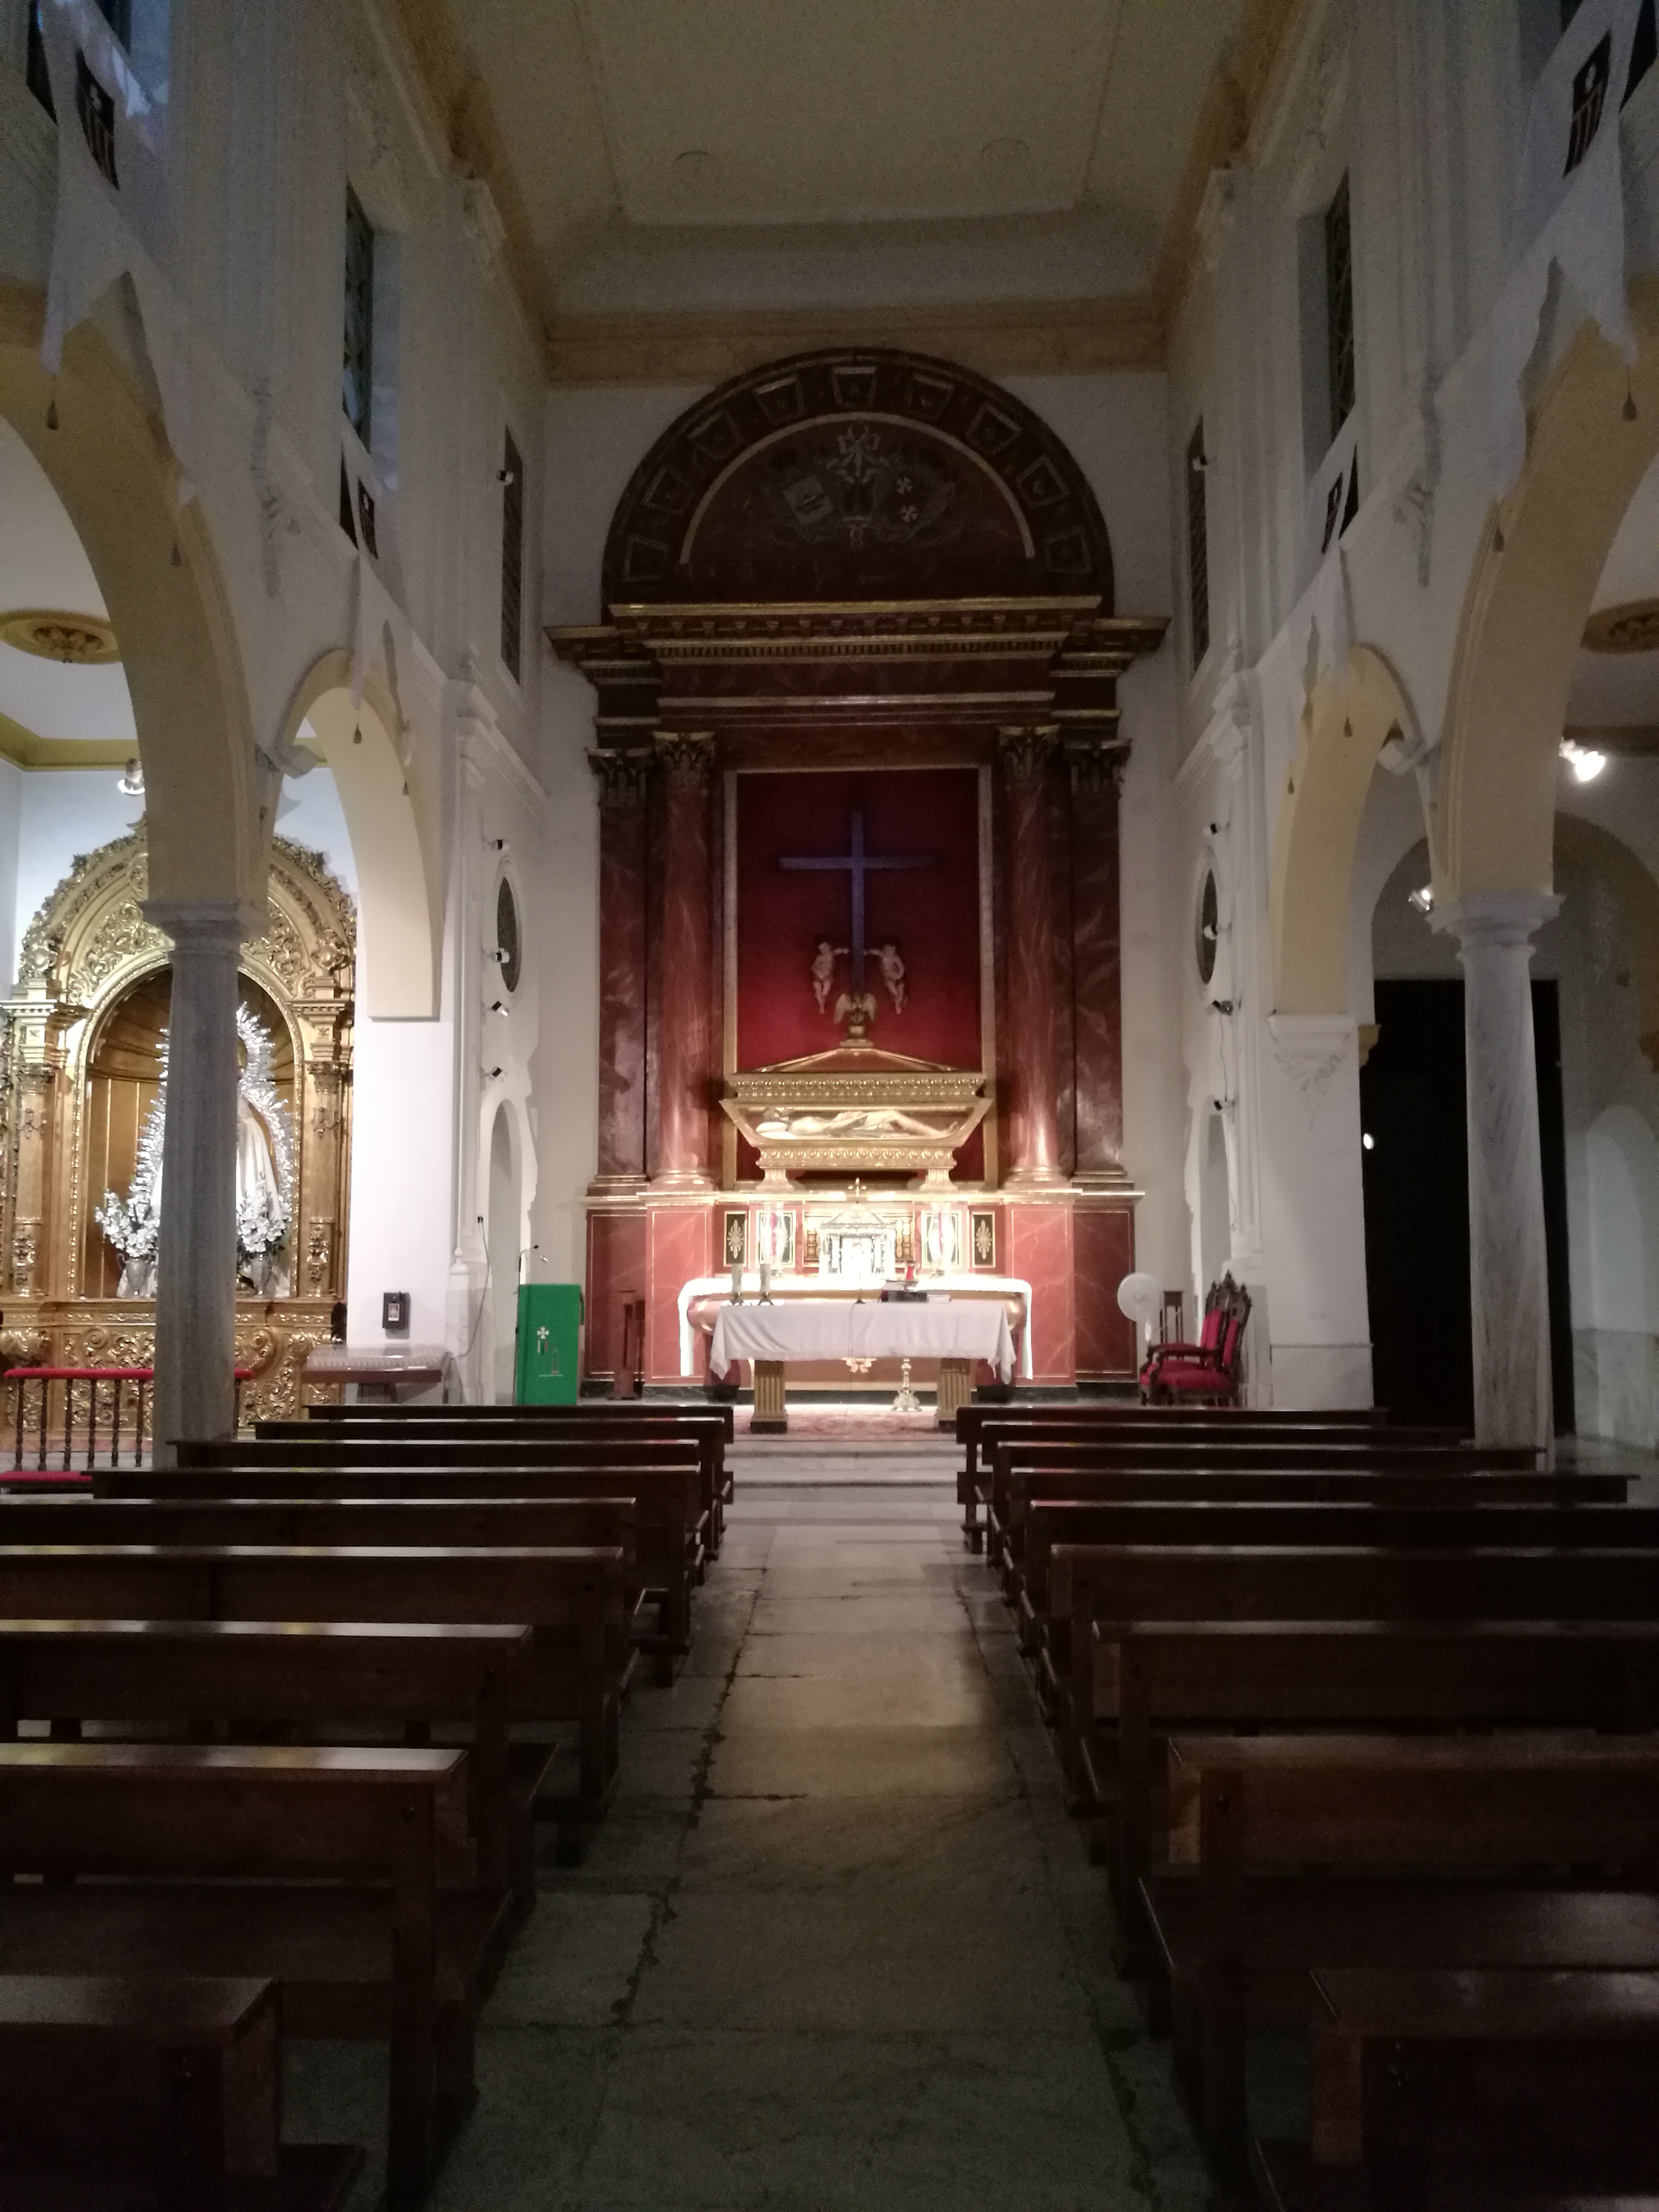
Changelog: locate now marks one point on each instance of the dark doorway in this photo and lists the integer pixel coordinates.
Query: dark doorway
(1413, 1113)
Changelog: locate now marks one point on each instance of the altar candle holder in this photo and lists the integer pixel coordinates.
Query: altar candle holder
(766, 1282)
(737, 1283)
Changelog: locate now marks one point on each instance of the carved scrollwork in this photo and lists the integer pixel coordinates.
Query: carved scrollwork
(86, 947)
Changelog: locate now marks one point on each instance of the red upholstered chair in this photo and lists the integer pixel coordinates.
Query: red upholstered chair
(1206, 1370)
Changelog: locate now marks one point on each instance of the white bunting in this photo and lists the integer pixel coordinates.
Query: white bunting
(1570, 209)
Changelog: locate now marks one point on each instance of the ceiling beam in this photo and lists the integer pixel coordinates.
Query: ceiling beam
(1020, 338)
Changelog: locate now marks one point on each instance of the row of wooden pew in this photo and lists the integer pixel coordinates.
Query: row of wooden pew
(278, 1727)
(1360, 1719)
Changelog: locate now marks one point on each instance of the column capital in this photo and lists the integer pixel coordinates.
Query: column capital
(1025, 749)
(206, 925)
(1497, 918)
(621, 777)
(687, 757)
(1097, 765)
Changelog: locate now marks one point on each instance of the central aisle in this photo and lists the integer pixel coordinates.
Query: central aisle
(837, 1944)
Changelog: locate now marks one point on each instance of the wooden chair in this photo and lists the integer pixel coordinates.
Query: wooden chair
(1206, 1372)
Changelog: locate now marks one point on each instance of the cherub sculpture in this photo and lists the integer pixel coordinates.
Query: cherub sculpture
(892, 973)
(824, 971)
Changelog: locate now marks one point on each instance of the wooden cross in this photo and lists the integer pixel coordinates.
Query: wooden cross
(859, 863)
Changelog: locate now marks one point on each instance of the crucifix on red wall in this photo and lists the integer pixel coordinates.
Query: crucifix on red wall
(859, 863)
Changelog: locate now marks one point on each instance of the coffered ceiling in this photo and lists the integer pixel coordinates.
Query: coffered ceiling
(672, 157)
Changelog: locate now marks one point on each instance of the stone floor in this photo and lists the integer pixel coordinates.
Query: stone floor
(837, 1943)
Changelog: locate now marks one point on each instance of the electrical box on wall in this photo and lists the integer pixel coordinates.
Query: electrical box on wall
(395, 1307)
(550, 1328)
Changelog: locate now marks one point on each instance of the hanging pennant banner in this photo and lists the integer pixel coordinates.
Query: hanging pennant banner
(115, 212)
(1570, 208)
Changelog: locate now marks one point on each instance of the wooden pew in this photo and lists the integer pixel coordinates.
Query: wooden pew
(1498, 2083)
(320, 1868)
(979, 1426)
(185, 1675)
(1060, 1463)
(1151, 1678)
(1508, 1808)
(608, 1521)
(121, 2094)
(1223, 1583)
(571, 1598)
(666, 1510)
(590, 1415)
(1202, 1521)
(593, 1443)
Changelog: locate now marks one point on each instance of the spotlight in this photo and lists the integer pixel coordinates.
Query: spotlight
(1585, 764)
(491, 1073)
(498, 1006)
(131, 779)
(1368, 1141)
(1423, 900)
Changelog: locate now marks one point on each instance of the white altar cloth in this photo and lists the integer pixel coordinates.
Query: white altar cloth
(845, 1328)
(803, 1289)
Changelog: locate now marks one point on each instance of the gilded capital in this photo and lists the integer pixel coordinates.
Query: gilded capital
(622, 776)
(1026, 750)
(687, 757)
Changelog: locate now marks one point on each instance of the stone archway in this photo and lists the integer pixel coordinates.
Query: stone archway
(1345, 724)
(97, 432)
(1593, 437)
(392, 848)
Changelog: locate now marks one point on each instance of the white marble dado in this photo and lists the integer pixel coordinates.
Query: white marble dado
(1508, 1282)
(1615, 1376)
(1336, 1375)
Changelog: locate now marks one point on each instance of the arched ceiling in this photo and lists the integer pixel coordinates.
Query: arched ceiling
(47, 704)
(666, 154)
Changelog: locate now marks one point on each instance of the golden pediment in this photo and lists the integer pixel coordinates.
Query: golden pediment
(857, 1108)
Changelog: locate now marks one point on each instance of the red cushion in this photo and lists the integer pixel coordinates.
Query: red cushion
(1186, 1375)
(1230, 1346)
(1210, 1335)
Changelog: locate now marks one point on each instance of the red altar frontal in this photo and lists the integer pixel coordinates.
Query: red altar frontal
(858, 757)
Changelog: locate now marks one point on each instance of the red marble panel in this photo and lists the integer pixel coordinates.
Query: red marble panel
(1104, 1248)
(1096, 972)
(1029, 1027)
(685, 1031)
(616, 1270)
(622, 989)
(1037, 1247)
(677, 1247)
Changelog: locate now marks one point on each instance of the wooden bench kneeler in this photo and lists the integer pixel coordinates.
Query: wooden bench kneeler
(150, 2087)
(321, 1869)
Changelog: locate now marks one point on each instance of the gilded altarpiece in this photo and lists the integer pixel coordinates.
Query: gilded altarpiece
(89, 968)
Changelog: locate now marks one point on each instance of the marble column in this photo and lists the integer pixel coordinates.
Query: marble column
(684, 1056)
(624, 779)
(1096, 962)
(1509, 1276)
(196, 1257)
(1028, 1053)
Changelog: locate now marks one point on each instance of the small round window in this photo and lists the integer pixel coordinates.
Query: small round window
(1209, 926)
(506, 934)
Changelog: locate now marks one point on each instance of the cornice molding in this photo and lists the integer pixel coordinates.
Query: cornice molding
(20, 744)
(1236, 97)
(1008, 338)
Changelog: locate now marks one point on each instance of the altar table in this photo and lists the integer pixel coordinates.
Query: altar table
(955, 1333)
